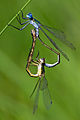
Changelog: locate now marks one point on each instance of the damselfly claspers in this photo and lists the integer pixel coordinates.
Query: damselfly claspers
(38, 25)
(42, 83)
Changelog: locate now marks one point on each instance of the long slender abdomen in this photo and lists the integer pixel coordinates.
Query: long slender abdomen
(32, 48)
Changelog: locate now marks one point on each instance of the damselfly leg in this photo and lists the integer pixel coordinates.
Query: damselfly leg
(19, 28)
(19, 20)
(23, 15)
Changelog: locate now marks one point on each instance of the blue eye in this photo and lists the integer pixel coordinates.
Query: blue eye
(29, 15)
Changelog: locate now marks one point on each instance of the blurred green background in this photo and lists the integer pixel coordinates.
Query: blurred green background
(63, 80)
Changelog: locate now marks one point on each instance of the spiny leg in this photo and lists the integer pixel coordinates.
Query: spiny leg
(36, 63)
(17, 27)
(23, 15)
(37, 57)
(19, 20)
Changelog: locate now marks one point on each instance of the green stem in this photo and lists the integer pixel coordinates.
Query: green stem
(14, 17)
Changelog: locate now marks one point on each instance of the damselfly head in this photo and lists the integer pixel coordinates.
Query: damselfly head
(29, 16)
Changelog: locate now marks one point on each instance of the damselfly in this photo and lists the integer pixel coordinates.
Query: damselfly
(38, 25)
(42, 83)
(33, 32)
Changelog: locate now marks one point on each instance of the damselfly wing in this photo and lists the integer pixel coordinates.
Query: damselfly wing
(58, 34)
(45, 91)
(43, 86)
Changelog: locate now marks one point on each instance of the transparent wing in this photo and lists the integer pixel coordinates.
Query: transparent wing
(54, 44)
(35, 106)
(34, 89)
(46, 94)
(58, 34)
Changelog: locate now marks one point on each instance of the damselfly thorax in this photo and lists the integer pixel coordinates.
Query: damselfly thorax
(41, 64)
